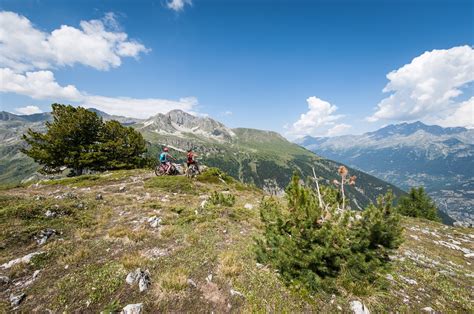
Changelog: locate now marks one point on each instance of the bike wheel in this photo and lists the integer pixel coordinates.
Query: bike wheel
(157, 171)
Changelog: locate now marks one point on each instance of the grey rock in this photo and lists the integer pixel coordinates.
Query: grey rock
(4, 280)
(145, 281)
(409, 281)
(25, 259)
(191, 283)
(428, 309)
(236, 293)
(154, 221)
(358, 307)
(99, 197)
(132, 277)
(122, 189)
(15, 300)
(44, 235)
(50, 213)
(142, 277)
(133, 309)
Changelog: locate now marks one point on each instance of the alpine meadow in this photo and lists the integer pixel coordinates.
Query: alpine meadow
(197, 156)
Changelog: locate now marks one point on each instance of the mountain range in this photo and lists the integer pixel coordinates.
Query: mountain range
(409, 155)
(263, 158)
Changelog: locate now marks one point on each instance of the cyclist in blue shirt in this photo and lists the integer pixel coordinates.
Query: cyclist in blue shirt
(165, 158)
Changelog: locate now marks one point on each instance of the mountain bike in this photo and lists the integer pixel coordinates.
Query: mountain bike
(192, 170)
(161, 170)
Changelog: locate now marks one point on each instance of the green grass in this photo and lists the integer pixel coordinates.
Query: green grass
(93, 283)
(174, 184)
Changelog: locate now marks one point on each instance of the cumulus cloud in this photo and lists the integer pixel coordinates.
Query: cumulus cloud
(178, 5)
(320, 120)
(37, 85)
(427, 88)
(42, 85)
(28, 110)
(97, 43)
(27, 54)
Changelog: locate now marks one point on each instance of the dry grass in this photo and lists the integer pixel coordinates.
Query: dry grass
(134, 260)
(77, 256)
(230, 264)
(174, 280)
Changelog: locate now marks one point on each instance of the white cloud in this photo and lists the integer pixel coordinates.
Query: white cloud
(28, 110)
(138, 107)
(463, 115)
(427, 87)
(227, 113)
(338, 129)
(178, 5)
(320, 120)
(97, 43)
(37, 85)
(42, 85)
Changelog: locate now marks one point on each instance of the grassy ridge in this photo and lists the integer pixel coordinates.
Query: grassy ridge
(199, 256)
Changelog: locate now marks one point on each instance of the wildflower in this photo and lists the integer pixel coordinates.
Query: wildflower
(343, 171)
(352, 180)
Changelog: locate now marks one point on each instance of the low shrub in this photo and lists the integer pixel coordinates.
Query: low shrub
(215, 175)
(313, 241)
(217, 199)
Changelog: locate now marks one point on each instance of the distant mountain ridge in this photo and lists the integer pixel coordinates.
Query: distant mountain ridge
(412, 154)
(263, 158)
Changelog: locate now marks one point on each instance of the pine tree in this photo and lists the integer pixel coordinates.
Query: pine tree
(120, 147)
(70, 137)
(78, 139)
(418, 204)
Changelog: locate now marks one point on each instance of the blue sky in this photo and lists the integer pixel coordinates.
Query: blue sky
(296, 67)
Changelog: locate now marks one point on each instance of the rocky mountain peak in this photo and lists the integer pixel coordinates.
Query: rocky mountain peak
(178, 122)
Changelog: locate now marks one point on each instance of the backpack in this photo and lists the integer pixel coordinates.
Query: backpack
(163, 157)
